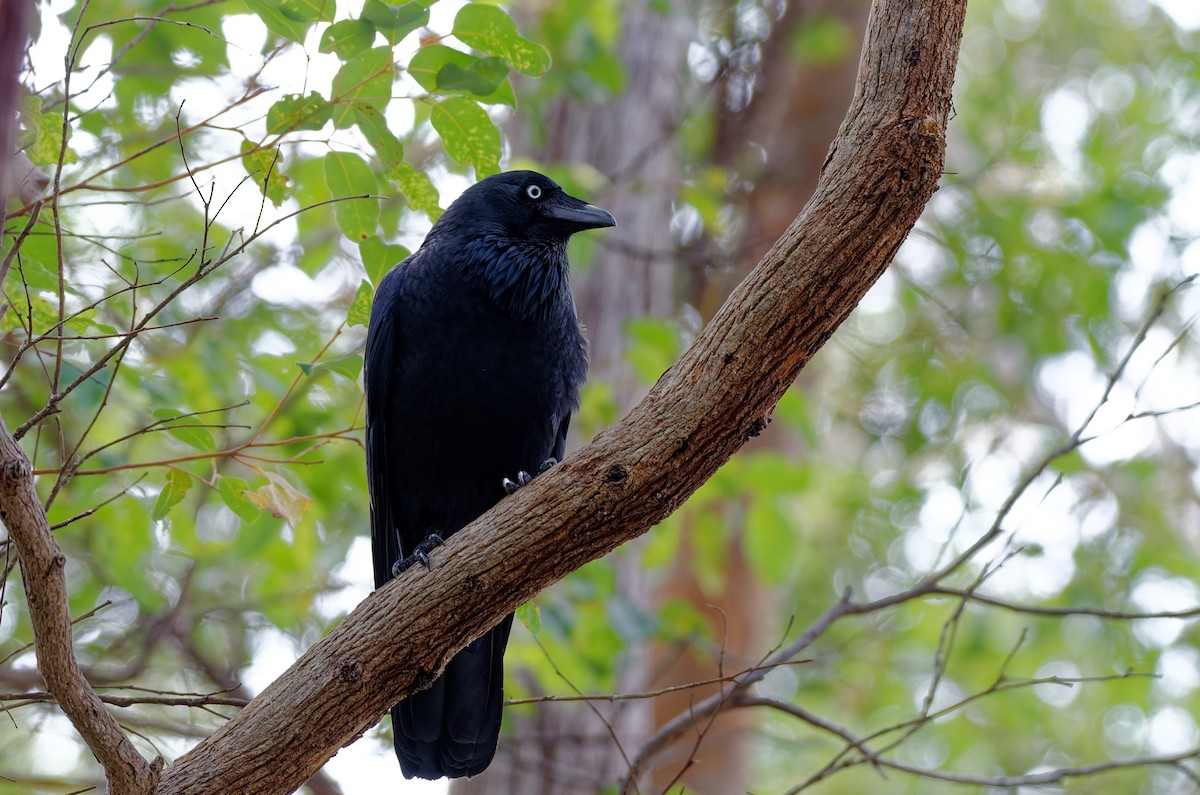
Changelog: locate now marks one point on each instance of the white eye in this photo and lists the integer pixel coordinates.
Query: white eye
(533, 192)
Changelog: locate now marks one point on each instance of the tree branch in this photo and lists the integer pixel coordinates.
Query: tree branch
(42, 564)
(882, 168)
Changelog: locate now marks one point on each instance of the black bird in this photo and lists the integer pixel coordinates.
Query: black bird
(474, 363)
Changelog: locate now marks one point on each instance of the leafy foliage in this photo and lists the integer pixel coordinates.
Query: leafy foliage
(195, 352)
(200, 342)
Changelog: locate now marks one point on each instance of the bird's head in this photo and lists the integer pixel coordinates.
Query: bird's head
(510, 232)
(522, 206)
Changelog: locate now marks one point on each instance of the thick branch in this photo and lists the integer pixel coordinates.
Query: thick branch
(882, 168)
(42, 564)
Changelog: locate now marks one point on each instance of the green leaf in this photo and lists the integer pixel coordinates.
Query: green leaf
(360, 308)
(429, 62)
(349, 365)
(297, 112)
(490, 30)
(365, 78)
(173, 492)
(661, 547)
(189, 433)
(309, 10)
(233, 494)
(37, 275)
(44, 313)
(347, 38)
(378, 257)
(374, 128)
(822, 40)
(199, 437)
(348, 175)
(770, 541)
(395, 22)
(468, 134)
(281, 19)
(482, 77)
(655, 347)
(264, 166)
(530, 615)
(419, 188)
(45, 134)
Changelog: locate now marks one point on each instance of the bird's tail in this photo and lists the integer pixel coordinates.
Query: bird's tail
(452, 728)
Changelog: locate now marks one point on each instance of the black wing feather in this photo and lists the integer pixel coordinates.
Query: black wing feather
(382, 374)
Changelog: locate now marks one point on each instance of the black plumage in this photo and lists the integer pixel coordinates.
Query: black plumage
(474, 363)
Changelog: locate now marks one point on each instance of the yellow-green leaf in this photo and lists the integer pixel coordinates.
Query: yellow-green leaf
(264, 165)
(360, 308)
(490, 30)
(298, 112)
(374, 128)
(281, 499)
(468, 134)
(365, 78)
(173, 492)
(419, 188)
(44, 135)
(530, 615)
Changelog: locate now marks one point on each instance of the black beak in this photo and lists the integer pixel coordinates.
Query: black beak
(577, 214)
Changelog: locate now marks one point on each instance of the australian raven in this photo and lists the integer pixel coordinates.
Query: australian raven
(474, 363)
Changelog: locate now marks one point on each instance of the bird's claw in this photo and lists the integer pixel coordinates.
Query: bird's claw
(511, 486)
(419, 555)
(524, 478)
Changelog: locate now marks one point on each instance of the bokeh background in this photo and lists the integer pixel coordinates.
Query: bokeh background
(1029, 362)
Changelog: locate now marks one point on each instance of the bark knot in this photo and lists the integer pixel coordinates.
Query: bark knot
(348, 671)
(616, 474)
(757, 427)
(15, 468)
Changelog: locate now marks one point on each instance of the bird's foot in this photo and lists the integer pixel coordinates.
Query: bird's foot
(419, 555)
(524, 478)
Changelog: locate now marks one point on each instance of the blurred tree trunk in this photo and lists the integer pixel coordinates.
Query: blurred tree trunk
(774, 122)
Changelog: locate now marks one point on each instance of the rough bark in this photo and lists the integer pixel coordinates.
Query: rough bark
(882, 168)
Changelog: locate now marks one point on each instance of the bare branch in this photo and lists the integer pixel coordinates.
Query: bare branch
(1056, 776)
(14, 700)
